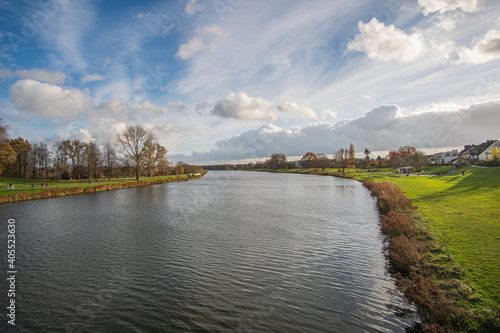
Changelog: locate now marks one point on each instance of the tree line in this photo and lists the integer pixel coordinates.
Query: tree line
(134, 152)
(343, 158)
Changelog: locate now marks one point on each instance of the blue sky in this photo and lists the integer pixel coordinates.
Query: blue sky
(233, 80)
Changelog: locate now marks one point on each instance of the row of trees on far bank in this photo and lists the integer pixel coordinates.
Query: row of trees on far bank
(134, 152)
(343, 158)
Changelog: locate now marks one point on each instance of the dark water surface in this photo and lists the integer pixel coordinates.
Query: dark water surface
(231, 252)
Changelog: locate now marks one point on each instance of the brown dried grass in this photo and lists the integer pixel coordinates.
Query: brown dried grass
(390, 196)
(440, 313)
(398, 223)
(410, 244)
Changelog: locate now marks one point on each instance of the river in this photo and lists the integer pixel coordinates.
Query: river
(230, 252)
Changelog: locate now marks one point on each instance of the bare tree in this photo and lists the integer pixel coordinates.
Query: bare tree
(134, 142)
(323, 162)
(92, 156)
(61, 160)
(109, 156)
(342, 158)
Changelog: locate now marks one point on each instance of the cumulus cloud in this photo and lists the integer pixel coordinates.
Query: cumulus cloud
(442, 6)
(34, 74)
(386, 43)
(241, 106)
(205, 39)
(48, 100)
(484, 50)
(294, 108)
(93, 77)
(380, 129)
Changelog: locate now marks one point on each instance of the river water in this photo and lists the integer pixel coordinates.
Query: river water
(230, 252)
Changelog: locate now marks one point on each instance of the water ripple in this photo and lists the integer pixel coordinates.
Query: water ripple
(231, 252)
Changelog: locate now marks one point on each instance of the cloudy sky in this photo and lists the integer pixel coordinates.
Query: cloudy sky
(227, 80)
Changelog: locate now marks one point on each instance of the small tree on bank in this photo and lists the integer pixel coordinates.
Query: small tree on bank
(309, 160)
(277, 161)
(352, 156)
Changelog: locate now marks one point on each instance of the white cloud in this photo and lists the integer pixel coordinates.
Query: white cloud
(119, 109)
(166, 29)
(48, 100)
(240, 106)
(484, 50)
(6, 73)
(294, 108)
(380, 129)
(442, 6)
(445, 50)
(192, 7)
(34, 74)
(446, 23)
(386, 43)
(205, 39)
(82, 134)
(144, 15)
(93, 77)
(329, 113)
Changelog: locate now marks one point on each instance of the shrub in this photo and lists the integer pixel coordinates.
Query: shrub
(73, 190)
(397, 223)
(389, 195)
(404, 253)
(433, 306)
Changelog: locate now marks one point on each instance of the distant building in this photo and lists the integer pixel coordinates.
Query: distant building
(481, 152)
(447, 157)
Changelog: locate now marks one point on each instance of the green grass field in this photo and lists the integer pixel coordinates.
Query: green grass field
(463, 213)
(24, 185)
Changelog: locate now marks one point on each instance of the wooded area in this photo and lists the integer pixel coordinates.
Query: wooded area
(134, 152)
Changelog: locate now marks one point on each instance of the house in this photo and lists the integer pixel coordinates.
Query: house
(447, 157)
(481, 152)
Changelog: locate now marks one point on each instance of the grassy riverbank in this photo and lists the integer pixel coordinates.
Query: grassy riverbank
(459, 216)
(22, 189)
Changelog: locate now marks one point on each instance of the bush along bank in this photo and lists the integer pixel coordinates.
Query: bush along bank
(425, 272)
(59, 192)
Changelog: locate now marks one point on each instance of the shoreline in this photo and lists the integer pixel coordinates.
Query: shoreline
(422, 267)
(61, 191)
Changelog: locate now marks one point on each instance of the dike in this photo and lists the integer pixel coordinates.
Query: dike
(56, 192)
